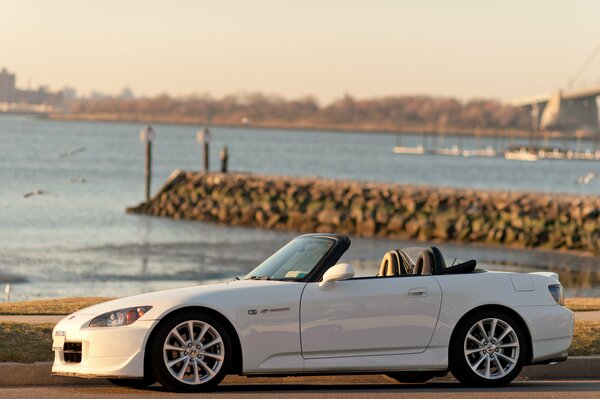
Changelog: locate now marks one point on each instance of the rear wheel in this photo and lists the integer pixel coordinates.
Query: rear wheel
(191, 352)
(489, 349)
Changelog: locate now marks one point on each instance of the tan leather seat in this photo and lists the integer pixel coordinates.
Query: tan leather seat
(389, 265)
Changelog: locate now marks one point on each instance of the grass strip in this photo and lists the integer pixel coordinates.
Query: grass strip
(25, 342)
(58, 306)
(583, 304)
(586, 339)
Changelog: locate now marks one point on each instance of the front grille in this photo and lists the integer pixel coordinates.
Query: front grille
(72, 352)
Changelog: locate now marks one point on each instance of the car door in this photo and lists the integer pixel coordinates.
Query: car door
(369, 316)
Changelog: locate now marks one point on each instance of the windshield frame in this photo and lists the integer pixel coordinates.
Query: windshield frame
(340, 244)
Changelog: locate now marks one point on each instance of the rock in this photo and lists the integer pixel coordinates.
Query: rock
(260, 217)
(395, 224)
(412, 227)
(366, 228)
(329, 216)
(314, 206)
(274, 220)
(382, 215)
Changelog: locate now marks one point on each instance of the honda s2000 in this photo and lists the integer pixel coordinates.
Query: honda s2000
(301, 313)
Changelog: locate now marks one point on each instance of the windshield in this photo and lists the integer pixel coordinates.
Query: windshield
(294, 261)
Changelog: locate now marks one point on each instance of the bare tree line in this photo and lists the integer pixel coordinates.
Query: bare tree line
(386, 113)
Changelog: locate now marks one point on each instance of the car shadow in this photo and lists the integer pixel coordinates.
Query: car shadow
(518, 386)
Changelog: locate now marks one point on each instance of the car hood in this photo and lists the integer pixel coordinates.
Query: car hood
(161, 301)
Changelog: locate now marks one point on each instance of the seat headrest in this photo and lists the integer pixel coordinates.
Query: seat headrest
(430, 261)
(438, 260)
(389, 265)
(423, 264)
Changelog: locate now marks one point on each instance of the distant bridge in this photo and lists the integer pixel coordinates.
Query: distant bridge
(563, 110)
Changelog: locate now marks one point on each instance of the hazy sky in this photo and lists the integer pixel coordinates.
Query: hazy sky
(462, 48)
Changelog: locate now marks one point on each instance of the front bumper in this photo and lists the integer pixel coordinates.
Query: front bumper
(105, 351)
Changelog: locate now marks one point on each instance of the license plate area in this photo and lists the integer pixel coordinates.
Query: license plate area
(59, 341)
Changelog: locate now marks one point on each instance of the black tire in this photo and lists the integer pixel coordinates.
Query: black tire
(505, 359)
(415, 377)
(132, 382)
(196, 362)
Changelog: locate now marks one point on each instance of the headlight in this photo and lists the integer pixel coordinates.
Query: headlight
(556, 291)
(121, 317)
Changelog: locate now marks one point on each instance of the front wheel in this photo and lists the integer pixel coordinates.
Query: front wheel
(489, 349)
(191, 352)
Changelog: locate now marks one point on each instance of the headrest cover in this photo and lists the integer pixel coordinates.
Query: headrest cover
(424, 263)
(439, 264)
(389, 265)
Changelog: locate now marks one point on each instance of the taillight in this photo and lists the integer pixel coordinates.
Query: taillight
(556, 290)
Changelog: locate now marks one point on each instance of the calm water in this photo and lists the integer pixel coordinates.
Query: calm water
(75, 239)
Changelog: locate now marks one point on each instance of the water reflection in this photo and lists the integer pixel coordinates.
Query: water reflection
(153, 262)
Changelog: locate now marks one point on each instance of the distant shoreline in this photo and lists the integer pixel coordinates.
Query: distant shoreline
(299, 125)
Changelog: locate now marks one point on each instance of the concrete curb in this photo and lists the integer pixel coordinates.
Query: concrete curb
(19, 374)
(576, 367)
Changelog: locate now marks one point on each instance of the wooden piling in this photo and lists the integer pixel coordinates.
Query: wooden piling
(224, 155)
(203, 138)
(147, 136)
(148, 169)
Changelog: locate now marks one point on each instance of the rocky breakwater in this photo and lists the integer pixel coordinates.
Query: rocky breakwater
(380, 209)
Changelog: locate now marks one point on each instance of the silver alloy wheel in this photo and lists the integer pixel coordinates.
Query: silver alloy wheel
(491, 348)
(193, 352)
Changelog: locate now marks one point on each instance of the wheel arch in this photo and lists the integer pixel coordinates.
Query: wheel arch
(500, 308)
(236, 361)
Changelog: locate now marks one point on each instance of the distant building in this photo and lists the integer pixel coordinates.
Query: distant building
(126, 94)
(15, 99)
(69, 94)
(7, 86)
(98, 95)
(39, 96)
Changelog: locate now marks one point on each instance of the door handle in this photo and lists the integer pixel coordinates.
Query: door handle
(417, 292)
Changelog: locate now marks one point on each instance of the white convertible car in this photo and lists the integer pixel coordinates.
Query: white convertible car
(300, 313)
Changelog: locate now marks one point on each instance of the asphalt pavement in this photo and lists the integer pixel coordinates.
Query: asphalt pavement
(448, 390)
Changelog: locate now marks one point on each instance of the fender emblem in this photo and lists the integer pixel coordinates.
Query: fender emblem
(252, 312)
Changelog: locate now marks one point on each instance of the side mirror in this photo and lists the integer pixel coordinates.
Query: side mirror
(341, 271)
